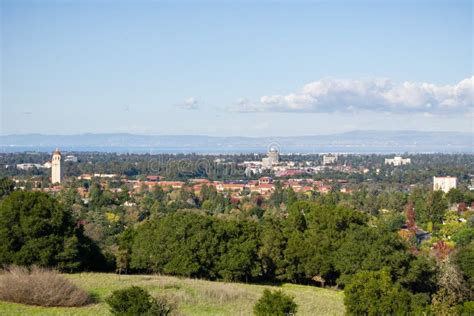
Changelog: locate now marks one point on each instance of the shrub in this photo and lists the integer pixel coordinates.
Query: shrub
(463, 237)
(374, 293)
(465, 260)
(41, 287)
(275, 303)
(137, 301)
(161, 307)
(466, 309)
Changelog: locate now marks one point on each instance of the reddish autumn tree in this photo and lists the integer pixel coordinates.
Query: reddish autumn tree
(462, 207)
(441, 250)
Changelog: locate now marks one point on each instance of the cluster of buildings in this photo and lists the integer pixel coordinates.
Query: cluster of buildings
(267, 163)
(273, 164)
(237, 189)
(55, 165)
(397, 161)
(264, 185)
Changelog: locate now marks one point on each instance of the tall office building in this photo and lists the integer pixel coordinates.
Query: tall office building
(444, 183)
(329, 159)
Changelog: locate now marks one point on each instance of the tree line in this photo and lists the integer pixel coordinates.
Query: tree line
(323, 241)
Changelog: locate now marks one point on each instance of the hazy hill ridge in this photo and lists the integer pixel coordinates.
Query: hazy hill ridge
(356, 141)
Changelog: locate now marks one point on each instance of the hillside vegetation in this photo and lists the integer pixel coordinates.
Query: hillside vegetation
(193, 297)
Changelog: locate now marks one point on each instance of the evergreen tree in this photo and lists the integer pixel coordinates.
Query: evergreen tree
(36, 229)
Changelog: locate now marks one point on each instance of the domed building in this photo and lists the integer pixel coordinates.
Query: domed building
(273, 155)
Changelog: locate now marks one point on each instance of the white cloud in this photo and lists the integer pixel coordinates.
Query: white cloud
(190, 103)
(379, 95)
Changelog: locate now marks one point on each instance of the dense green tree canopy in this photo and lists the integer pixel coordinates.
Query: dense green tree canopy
(36, 229)
(373, 293)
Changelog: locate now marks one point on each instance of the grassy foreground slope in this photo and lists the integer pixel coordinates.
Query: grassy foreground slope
(193, 297)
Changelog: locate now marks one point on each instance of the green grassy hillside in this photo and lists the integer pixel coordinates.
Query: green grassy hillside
(193, 297)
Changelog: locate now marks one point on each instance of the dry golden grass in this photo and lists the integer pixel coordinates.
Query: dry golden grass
(191, 296)
(219, 292)
(41, 287)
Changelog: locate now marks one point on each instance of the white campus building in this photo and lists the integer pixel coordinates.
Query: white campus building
(397, 161)
(329, 159)
(71, 158)
(56, 167)
(444, 183)
(28, 166)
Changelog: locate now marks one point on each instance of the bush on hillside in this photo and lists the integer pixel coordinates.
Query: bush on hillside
(275, 303)
(466, 309)
(137, 301)
(42, 287)
(374, 293)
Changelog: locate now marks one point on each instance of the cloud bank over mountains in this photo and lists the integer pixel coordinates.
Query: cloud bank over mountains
(379, 95)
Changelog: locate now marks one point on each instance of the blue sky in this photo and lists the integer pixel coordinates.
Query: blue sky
(235, 68)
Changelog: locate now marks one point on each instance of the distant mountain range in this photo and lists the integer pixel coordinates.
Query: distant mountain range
(349, 142)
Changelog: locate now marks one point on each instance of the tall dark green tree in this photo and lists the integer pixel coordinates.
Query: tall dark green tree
(6, 186)
(36, 229)
(431, 208)
(273, 244)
